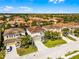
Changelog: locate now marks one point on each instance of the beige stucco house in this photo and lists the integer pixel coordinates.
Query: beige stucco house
(12, 37)
(36, 32)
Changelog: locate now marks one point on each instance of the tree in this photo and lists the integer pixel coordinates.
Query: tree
(52, 35)
(76, 32)
(25, 41)
(65, 31)
(1, 40)
(47, 34)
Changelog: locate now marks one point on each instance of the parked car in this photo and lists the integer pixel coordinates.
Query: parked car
(9, 49)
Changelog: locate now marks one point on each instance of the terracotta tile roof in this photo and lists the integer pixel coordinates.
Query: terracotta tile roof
(12, 31)
(35, 29)
(1, 21)
(60, 25)
(71, 24)
(42, 19)
(56, 19)
(18, 20)
(11, 22)
(36, 19)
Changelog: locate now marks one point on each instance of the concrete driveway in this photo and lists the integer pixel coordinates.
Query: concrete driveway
(12, 54)
(40, 46)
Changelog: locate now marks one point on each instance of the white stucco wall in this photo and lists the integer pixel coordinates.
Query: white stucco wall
(16, 35)
(23, 33)
(57, 30)
(11, 36)
(35, 34)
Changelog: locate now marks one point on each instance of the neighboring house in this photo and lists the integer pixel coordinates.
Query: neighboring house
(19, 20)
(16, 21)
(59, 26)
(7, 17)
(36, 32)
(71, 25)
(12, 36)
(54, 28)
(1, 21)
(55, 19)
(36, 19)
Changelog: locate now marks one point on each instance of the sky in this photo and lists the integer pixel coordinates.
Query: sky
(39, 6)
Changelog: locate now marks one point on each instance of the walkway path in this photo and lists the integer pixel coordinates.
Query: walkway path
(66, 39)
(73, 37)
(72, 55)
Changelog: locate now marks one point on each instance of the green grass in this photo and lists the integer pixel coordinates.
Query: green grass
(49, 58)
(51, 43)
(60, 58)
(2, 54)
(70, 53)
(71, 38)
(24, 51)
(75, 57)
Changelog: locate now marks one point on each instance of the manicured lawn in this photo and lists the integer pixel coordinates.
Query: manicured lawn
(24, 51)
(2, 54)
(51, 43)
(71, 53)
(75, 57)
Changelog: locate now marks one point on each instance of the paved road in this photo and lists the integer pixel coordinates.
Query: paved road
(13, 54)
(54, 52)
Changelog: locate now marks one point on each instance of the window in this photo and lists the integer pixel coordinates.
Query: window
(7, 36)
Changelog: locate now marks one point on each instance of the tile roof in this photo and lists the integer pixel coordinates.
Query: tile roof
(18, 20)
(1, 21)
(12, 31)
(60, 25)
(35, 29)
(56, 19)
